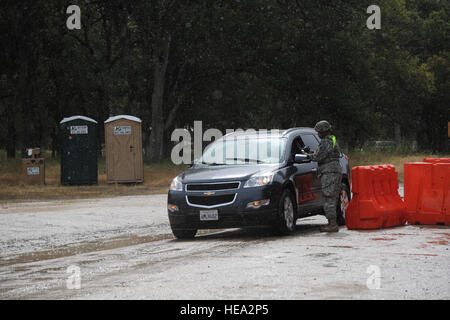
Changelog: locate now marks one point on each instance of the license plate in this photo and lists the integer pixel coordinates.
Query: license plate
(209, 215)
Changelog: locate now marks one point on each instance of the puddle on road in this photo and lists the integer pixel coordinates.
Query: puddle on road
(84, 247)
(445, 234)
(329, 265)
(337, 290)
(259, 234)
(441, 242)
(321, 255)
(91, 246)
(345, 247)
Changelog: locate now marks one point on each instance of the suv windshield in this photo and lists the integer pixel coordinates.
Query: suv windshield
(244, 150)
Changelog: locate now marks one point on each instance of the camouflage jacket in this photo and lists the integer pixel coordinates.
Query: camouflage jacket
(327, 156)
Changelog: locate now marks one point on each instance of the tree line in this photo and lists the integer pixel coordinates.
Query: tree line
(232, 64)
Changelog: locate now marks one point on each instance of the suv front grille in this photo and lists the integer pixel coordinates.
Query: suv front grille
(209, 201)
(212, 186)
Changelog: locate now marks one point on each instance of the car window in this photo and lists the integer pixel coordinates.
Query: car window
(244, 150)
(297, 146)
(310, 141)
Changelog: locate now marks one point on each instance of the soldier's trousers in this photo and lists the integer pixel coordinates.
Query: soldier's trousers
(331, 188)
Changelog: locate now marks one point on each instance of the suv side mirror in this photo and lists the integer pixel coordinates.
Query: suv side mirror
(301, 158)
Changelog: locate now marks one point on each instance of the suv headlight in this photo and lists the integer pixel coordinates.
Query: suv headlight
(176, 185)
(259, 180)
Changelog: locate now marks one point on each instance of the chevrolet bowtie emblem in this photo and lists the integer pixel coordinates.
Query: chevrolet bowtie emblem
(209, 193)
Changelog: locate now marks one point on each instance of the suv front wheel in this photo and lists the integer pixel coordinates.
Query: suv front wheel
(286, 218)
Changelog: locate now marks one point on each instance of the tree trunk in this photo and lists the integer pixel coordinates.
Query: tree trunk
(397, 133)
(55, 142)
(11, 140)
(154, 150)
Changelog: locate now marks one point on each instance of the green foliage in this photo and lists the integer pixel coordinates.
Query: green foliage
(233, 64)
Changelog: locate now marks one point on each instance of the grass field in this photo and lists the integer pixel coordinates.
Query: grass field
(358, 158)
(157, 177)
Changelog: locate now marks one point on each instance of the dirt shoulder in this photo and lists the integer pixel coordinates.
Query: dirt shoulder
(157, 178)
(24, 193)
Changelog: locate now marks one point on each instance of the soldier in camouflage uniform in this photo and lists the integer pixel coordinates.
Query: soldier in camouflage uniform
(330, 173)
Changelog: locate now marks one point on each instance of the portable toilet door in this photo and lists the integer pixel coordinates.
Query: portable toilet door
(123, 140)
(78, 151)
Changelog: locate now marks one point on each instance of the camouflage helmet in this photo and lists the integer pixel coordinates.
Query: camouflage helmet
(322, 126)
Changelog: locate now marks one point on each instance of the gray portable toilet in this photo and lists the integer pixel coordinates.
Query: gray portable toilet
(78, 151)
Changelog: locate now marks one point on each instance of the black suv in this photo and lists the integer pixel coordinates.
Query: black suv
(270, 182)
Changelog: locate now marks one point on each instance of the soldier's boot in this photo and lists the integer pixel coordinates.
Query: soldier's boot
(332, 226)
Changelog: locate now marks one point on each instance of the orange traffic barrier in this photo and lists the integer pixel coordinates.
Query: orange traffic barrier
(376, 202)
(437, 160)
(427, 198)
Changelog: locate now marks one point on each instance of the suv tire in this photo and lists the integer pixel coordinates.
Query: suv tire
(286, 217)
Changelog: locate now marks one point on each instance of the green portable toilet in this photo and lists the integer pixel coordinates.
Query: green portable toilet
(78, 151)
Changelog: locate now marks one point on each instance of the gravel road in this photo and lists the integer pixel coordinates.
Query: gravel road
(122, 248)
